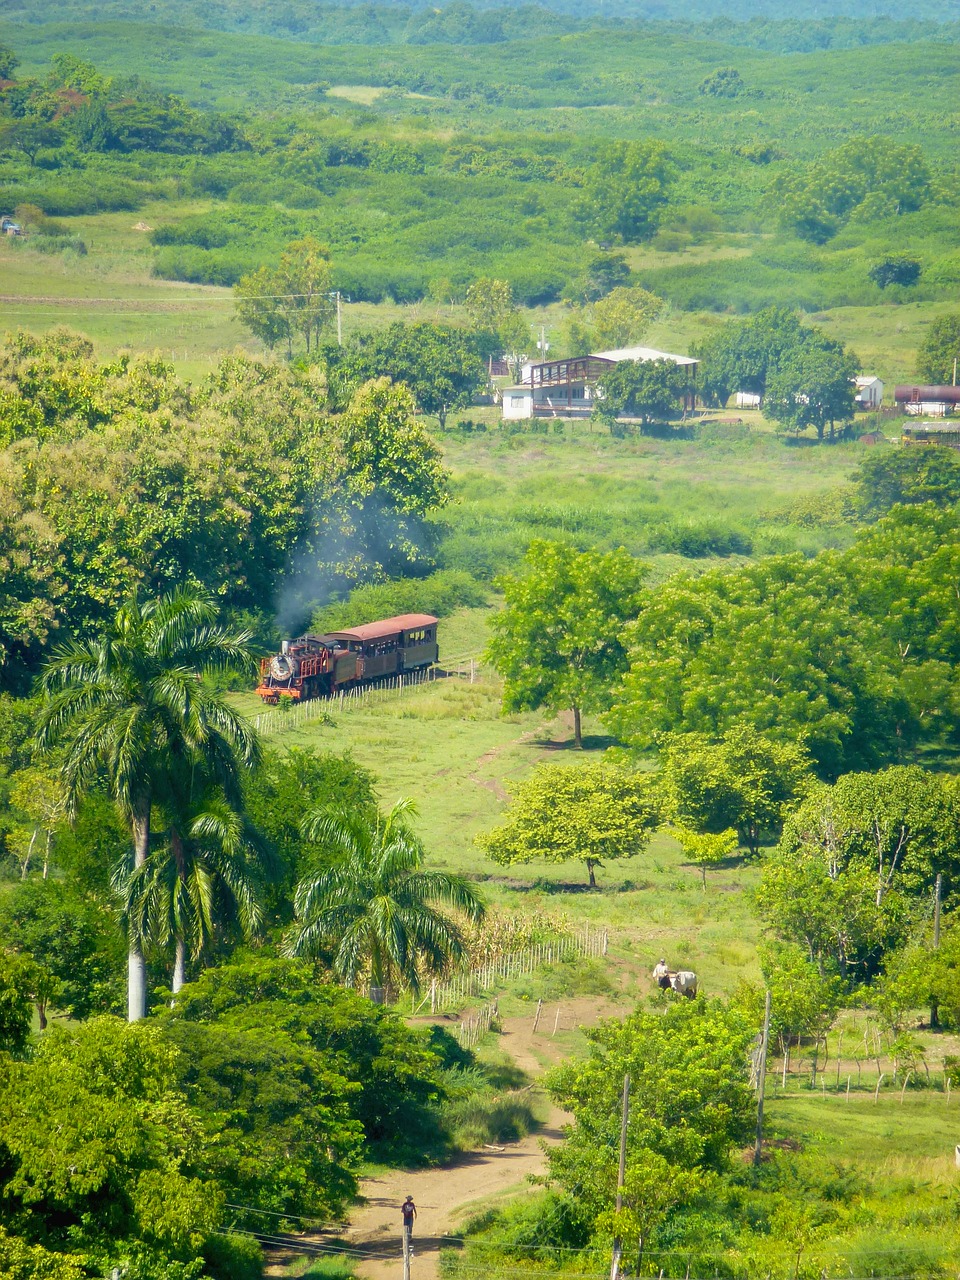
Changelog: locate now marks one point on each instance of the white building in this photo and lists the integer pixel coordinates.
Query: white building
(747, 400)
(567, 388)
(869, 392)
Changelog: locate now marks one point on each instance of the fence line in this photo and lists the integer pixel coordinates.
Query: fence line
(447, 995)
(300, 713)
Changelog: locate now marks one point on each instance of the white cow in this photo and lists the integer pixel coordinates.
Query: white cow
(684, 983)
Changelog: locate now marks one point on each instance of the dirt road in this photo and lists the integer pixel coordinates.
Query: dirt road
(446, 1197)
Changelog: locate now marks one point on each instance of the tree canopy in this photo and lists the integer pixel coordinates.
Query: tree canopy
(560, 639)
(593, 813)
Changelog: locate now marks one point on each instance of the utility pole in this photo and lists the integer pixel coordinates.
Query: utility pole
(621, 1176)
(406, 1254)
(762, 1077)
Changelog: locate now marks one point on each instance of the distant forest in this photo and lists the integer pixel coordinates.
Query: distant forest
(774, 25)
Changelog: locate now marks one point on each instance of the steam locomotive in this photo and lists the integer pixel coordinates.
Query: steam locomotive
(320, 666)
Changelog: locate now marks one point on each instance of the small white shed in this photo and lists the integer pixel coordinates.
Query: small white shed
(869, 392)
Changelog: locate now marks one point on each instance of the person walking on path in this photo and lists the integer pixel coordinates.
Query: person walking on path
(409, 1211)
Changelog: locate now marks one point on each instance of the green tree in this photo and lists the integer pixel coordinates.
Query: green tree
(625, 189)
(803, 1002)
(803, 899)
(292, 300)
(939, 352)
(101, 1152)
(71, 935)
(393, 1069)
(813, 387)
(743, 355)
(490, 304)
(623, 316)
(8, 62)
(439, 364)
(29, 136)
(131, 704)
(744, 780)
(16, 1002)
(650, 390)
(885, 479)
(560, 639)
(895, 270)
(706, 849)
(592, 813)
(900, 824)
(690, 1108)
(602, 273)
(918, 975)
(374, 908)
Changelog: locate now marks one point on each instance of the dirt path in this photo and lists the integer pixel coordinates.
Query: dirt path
(446, 1197)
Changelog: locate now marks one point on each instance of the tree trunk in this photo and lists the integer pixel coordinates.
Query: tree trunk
(703, 875)
(577, 734)
(136, 966)
(25, 865)
(42, 1014)
(46, 854)
(591, 863)
(179, 966)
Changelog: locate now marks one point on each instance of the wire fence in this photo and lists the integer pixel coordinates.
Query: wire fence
(293, 715)
(443, 996)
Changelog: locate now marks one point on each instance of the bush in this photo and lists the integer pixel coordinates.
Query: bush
(233, 1257)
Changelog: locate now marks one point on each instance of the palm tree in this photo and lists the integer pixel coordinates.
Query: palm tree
(205, 874)
(374, 907)
(130, 704)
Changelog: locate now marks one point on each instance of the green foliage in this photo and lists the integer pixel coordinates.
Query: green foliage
(72, 936)
(864, 179)
(745, 780)
(886, 478)
(649, 390)
(438, 363)
(690, 1106)
(803, 1001)
(102, 1148)
(918, 975)
(242, 485)
(895, 270)
(899, 824)
(623, 315)
(393, 1070)
(724, 83)
(939, 350)
(131, 709)
(292, 300)
(439, 593)
(374, 908)
(847, 653)
(581, 601)
(706, 848)
(813, 387)
(275, 796)
(625, 189)
(594, 813)
(16, 1003)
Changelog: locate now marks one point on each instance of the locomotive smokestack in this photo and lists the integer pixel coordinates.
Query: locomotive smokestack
(284, 646)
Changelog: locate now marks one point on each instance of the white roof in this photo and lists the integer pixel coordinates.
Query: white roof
(641, 353)
(866, 381)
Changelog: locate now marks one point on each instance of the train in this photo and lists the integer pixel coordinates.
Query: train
(314, 666)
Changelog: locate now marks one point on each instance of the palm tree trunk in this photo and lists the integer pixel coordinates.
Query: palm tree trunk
(136, 965)
(179, 966)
